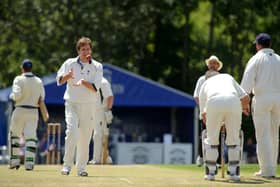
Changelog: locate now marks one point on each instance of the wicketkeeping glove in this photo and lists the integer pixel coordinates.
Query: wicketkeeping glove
(109, 116)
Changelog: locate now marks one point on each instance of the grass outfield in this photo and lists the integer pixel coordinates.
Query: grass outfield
(126, 176)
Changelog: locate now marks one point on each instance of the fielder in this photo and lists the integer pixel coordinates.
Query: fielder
(261, 77)
(27, 91)
(221, 100)
(213, 64)
(83, 77)
(104, 118)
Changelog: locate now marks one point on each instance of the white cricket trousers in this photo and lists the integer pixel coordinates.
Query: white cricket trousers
(80, 122)
(222, 109)
(24, 121)
(266, 116)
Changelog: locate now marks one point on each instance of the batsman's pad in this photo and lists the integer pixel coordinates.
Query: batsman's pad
(235, 155)
(211, 155)
(203, 137)
(109, 116)
(43, 110)
(97, 145)
(30, 151)
(14, 148)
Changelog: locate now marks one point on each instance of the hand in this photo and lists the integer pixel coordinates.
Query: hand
(70, 74)
(245, 103)
(204, 117)
(79, 83)
(246, 110)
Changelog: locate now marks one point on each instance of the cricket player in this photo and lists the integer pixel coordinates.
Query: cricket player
(221, 100)
(27, 91)
(83, 76)
(104, 119)
(213, 64)
(261, 77)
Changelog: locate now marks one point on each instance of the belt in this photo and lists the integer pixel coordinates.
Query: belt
(27, 106)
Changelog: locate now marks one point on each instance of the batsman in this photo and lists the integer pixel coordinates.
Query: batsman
(101, 129)
(222, 101)
(27, 92)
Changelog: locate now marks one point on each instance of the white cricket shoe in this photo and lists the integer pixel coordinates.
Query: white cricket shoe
(29, 167)
(235, 178)
(209, 177)
(109, 160)
(14, 164)
(199, 161)
(65, 170)
(82, 174)
(94, 162)
(259, 174)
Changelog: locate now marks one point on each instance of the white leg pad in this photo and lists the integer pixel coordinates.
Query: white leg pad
(14, 150)
(30, 151)
(97, 149)
(234, 158)
(211, 155)
(203, 137)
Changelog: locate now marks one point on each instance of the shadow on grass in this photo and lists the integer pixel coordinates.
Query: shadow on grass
(246, 181)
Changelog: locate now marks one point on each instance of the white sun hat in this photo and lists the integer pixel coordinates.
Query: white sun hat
(213, 57)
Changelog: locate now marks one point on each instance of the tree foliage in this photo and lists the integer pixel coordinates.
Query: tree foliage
(165, 40)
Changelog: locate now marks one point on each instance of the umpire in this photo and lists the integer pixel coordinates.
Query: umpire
(261, 77)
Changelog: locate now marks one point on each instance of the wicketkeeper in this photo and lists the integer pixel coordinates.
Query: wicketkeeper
(101, 129)
(222, 100)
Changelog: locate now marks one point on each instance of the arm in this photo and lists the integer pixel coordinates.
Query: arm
(98, 77)
(198, 85)
(107, 93)
(244, 98)
(110, 101)
(196, 100)
(108, 111)
(64, 73)
(43, 93)
(64, 78)
(86, 84)
(249, 76)
(245, 102)
(202, 103)
(16, 90)
(95, 85)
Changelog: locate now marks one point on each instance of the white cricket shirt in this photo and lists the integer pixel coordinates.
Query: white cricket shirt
(262, 73)
(90, 72)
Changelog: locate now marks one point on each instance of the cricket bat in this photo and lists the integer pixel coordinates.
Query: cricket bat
(223, 131)
(105, 150)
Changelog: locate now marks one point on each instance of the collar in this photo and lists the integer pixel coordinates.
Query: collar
(28, 74)
(266, 50)
(81, 64)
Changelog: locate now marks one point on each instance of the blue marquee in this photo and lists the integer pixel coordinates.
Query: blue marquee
(129, 90)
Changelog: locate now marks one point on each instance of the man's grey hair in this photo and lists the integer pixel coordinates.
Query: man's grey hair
(210, 73)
